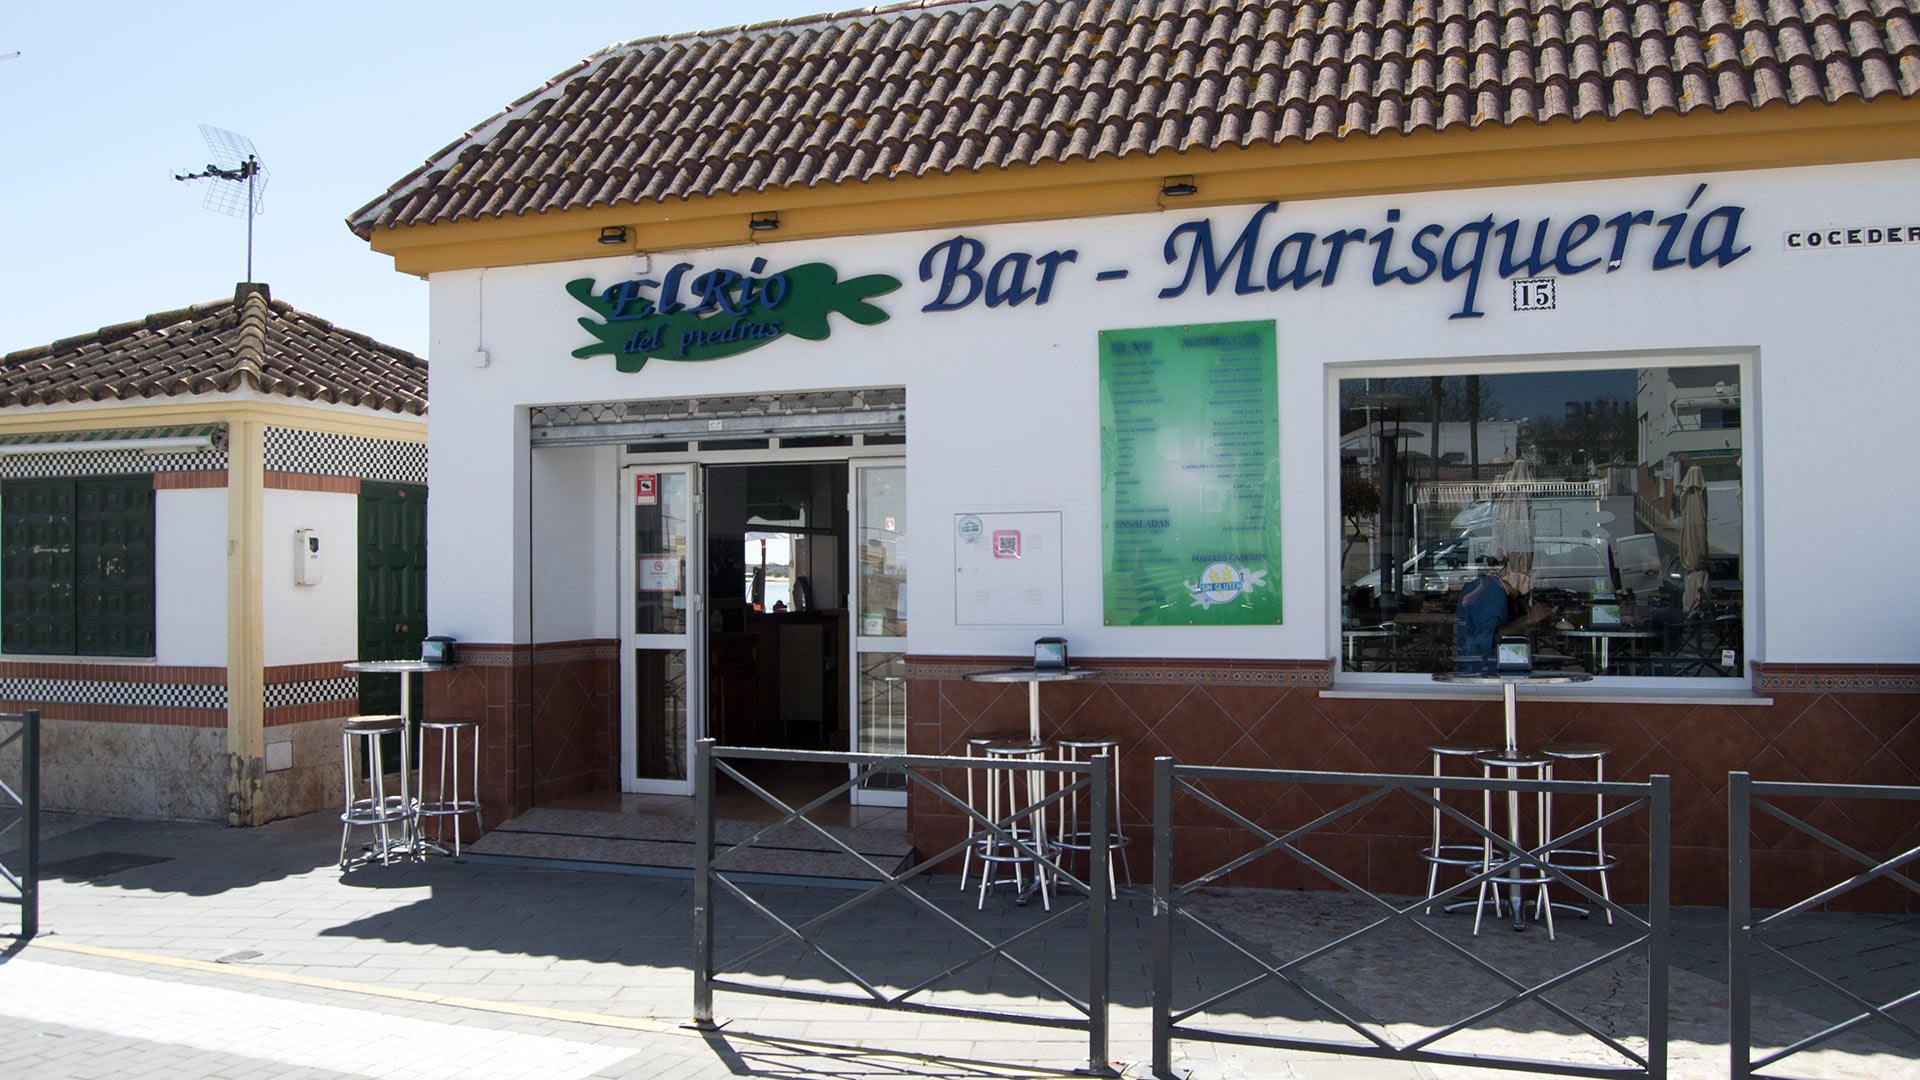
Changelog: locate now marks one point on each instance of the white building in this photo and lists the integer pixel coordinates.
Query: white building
(1064, 309)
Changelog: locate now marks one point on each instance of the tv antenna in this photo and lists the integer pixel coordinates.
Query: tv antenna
(234, 160)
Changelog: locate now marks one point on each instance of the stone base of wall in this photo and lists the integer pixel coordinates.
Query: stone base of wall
(313, 783)
(131, 770)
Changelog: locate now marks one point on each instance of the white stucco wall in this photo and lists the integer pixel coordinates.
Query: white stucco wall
(992, 391)
(307, 624)
(190, 577)
(573, 543)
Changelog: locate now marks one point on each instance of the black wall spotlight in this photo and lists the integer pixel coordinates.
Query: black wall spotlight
(613, 234)
(764, 221)
(1178, 185)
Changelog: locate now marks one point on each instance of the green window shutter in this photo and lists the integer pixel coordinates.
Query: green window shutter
(76, 566)
(113, 574)
(36, 568)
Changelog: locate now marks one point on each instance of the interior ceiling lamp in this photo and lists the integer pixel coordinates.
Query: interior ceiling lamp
(613, 234)
(764, 221)
(1178, 185)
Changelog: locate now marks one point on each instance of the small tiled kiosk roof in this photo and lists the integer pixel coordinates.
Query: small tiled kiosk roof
(934, 87)
(251, 341)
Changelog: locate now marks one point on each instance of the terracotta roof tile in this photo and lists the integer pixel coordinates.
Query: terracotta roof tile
(251, 342)
(934, 86)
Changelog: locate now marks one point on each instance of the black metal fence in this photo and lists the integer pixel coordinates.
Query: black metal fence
(20, 818)
(1751, 940)
(1010, 831)
(1506, 862)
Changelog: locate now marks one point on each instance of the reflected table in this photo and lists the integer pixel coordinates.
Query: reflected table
(1600, 640)
(1352, 639)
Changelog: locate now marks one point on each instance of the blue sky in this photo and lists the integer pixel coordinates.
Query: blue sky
(104, 102)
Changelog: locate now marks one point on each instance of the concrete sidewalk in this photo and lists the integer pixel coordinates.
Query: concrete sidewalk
(194, 950)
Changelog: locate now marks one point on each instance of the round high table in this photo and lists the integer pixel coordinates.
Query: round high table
(1509, 683)
(1513, 761)
(1033, 677)
(402, 668)
(405, 669)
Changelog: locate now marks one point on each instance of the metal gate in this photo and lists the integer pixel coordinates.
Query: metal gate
(1748, 939)
(20, 817)
(1087, 1011)
(1505, 860)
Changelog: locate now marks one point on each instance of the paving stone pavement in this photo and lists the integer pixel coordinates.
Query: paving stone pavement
(185, 950)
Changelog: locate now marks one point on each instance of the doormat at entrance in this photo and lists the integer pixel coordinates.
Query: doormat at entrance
(664, 841)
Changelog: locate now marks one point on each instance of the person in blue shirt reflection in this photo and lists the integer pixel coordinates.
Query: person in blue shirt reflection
(1492, 605)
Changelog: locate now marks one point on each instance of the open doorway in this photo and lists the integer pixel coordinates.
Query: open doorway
(777, 618)
(768, 608)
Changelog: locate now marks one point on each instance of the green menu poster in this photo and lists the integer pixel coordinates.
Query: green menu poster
(1190, 475)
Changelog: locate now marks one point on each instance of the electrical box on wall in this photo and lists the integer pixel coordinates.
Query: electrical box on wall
(306, 558)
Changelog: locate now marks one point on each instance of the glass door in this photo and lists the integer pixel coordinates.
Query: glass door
(879, 595)
(661, 686)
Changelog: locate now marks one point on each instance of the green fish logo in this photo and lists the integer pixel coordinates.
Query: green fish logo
(729, 313)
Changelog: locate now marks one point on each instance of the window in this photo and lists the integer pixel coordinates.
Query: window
(1606, 504)
(76, 566)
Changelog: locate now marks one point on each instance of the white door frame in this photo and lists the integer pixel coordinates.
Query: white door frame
(690, 642)
(860, 642)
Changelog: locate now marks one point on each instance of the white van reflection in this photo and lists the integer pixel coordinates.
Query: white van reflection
(1577, 564)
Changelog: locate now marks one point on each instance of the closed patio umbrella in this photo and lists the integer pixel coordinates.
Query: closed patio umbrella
(1513, 524)
(1693, 538)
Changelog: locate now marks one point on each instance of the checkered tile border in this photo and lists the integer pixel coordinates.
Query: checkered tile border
(87, 692)
(316, 692)
(125, 462)
(318, 453)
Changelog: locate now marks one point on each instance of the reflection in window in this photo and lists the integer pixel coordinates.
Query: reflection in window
(1606, 503)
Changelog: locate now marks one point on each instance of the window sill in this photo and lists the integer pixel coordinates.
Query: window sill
(1738, 693)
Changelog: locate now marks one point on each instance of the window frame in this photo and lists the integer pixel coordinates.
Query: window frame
(1744, 360)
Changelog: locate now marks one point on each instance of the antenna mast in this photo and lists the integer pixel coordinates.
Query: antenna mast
(234, 160)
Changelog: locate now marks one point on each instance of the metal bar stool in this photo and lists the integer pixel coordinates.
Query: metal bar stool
(1583, 860)
(1077, 835)
(976, 747)
(377, 809)
(1438, 852)
(451, 798)
(1516, 877)
(1013, 797)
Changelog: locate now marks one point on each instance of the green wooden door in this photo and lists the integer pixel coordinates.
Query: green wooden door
(393, 585)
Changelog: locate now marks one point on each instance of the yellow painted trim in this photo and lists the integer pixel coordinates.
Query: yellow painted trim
(392, 993)
(333, 422)
(1776, 137)
(246, 705)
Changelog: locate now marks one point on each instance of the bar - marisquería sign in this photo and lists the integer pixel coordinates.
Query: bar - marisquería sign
(722, 312)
